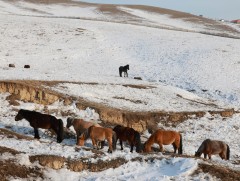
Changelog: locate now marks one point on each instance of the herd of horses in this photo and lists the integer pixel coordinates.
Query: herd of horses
(98, 134)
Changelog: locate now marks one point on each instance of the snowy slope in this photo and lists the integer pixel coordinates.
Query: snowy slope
(182, 70)
(92, 51)
(194, 131)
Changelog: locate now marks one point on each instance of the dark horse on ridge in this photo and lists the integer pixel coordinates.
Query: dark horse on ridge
(44, 121)
(130, 135)
(123, 69)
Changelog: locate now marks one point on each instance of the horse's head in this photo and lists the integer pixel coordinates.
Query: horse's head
(197, 154)
(19, 116)
(146, 148)
(137, 142)
(116, 128)
(127, 66)
(69, 122)
(81, 140)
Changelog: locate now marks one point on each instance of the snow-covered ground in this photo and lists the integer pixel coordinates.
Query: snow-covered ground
(194, 131)
(91, 51)
(171, 63)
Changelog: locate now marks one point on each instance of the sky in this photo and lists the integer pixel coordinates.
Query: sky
(216, 9)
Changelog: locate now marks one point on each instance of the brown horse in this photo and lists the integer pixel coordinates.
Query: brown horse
(99, 135)
(80, 126)
(213, 147)
(164, 137)
(130, 135)
(44, 121)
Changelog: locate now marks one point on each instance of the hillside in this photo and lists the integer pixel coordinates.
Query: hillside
(188, 64)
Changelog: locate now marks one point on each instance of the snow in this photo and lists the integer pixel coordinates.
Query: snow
(169, 169)
(181, 71)
(164, 20)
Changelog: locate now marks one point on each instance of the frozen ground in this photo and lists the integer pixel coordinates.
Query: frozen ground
(194, 131)
(83, 44)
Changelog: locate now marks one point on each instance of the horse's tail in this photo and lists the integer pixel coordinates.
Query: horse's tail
(137, 138)
(228, 152)
(180, 149)
(120, 71)
(60, 131)
(114, 140)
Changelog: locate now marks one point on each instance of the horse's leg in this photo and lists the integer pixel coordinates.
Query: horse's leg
(121, 143)
(160, 146)
(175, 147)
(77, 139)
(36, 134)
(205, 155)
(209, 156)
(131, 147)
(98, 144)
(120, 72)
(102, 144)
(110, 144)
(94, 143)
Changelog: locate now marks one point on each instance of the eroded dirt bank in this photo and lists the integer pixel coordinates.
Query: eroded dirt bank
(36, 92)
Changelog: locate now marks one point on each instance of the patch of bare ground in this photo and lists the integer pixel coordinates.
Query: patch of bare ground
(223, 173)
(8, 150)
(11, 134)
(130, 100)
(9, 170)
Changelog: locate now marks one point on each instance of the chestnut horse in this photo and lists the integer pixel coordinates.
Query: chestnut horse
(123, 69)
(213, 147)
(99, 135)
(164, 137)
(44, 121)
(130, 135)
(80, 126)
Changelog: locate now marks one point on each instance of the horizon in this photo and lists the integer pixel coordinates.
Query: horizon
(214, 9)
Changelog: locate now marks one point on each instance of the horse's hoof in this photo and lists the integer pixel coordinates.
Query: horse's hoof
(109, 151)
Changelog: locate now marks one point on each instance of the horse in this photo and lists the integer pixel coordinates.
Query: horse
(130, 135)
(213, 147)
(123, 69)
(44, 121)
(164, 137)
(80, 126)
(99, 135)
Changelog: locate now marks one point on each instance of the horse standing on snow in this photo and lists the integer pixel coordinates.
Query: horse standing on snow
(124, 69)
(213, 147)
(80, 126)
(44, 121)
(164, 137)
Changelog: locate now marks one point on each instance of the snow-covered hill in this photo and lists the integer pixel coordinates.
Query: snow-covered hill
(187, 63)
(91, 51)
